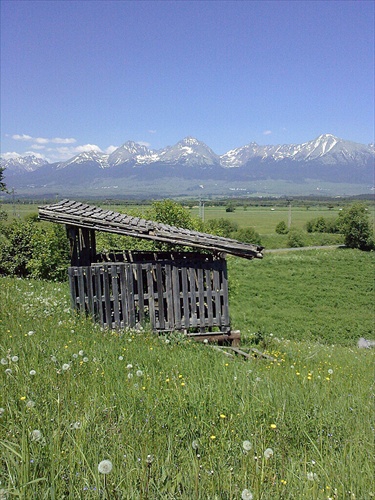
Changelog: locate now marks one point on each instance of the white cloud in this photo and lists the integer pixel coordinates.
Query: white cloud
(267, 132)
(44, 140)
(152, 131)
(88, 147)
(110, 149)
(10, 155)
(23, 137)
(37, 146)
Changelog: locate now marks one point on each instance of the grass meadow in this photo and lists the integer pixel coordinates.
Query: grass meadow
(180, 420)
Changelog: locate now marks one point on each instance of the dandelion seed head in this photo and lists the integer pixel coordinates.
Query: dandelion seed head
(130, 375)
(32, 372)
(312, 476)
(4, 361)
(330, 371)
(8, 371)
(268, 453)
(36, 435)
(30, 404)
(65, 367)
(246, 495)
(81, 353)
(31, 332)
(15, 359)
(246, 445)
(195, 444)
(85, 359)
(139, 373)
(129, 366)
(121, 358)
(105, 467)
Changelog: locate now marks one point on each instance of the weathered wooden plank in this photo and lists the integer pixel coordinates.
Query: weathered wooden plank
(72, 286)
(201, 298)
(90, 292)
(99, 293)
(176, 297)
(216, 297)
(130, 293)
(107, 298)
(116, 298)
(151, 299)
(160, 294)
(193, 298)
(169, 297)
(210, 320)
(124, 298)
(185, 297)
(140, 295)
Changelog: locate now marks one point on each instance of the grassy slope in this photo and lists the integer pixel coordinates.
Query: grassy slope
(312, 406)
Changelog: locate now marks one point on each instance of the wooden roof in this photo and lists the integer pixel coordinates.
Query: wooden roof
(91, 217)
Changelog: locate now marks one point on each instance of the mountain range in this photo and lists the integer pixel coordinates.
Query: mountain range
(191, 165)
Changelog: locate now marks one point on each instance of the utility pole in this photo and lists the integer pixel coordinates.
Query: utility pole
(289, 200)
(201, 209)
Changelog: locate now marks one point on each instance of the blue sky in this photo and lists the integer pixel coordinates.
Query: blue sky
(79, 75)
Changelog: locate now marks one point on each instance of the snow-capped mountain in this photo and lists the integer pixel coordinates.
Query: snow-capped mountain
(327, 148)
(324, 159)
(189, 152)
(19, 164)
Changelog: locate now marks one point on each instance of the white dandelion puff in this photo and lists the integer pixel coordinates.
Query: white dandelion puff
(36, 435)
(195, 444)
(81, 353)
(31, 332)
(130, 375)
(268, 453)
(246, 495)
(129, 366)
(246, 445)
(32, 372)
(105, 467)
(139, 373)
(65, 367)
(330, 371)
(8, 371)
(312, 476)
(30, 404)
(15, 359)
(121, 358)
(4, 361)
(85, 359)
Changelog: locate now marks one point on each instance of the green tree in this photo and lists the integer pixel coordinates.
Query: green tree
(248, 235)
(355, 225)
(282, 228)
(295, 238)
(2, 183)
(221, 227)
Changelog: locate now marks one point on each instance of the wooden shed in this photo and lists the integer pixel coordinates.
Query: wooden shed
(172, 291)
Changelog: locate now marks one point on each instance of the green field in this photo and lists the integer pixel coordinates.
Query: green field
(178, 419)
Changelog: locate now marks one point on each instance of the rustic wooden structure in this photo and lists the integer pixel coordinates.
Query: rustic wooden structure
(183, 291)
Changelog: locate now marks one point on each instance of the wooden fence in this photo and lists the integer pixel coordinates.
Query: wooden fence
(190, 295)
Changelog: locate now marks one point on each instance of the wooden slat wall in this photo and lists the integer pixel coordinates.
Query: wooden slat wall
(170, 295)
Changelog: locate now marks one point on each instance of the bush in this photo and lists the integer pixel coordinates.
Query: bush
(282, 228)
(322, 225)
(34, 249)
(221, 227)
(354, 224)
(248, 235)
(295, 238)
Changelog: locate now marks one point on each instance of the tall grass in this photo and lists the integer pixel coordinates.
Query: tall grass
(172, 415)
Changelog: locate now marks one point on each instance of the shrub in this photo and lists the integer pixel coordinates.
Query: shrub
(295, 238)
(248, 235)
(282, 228)
(354, 224)
(221, 227)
